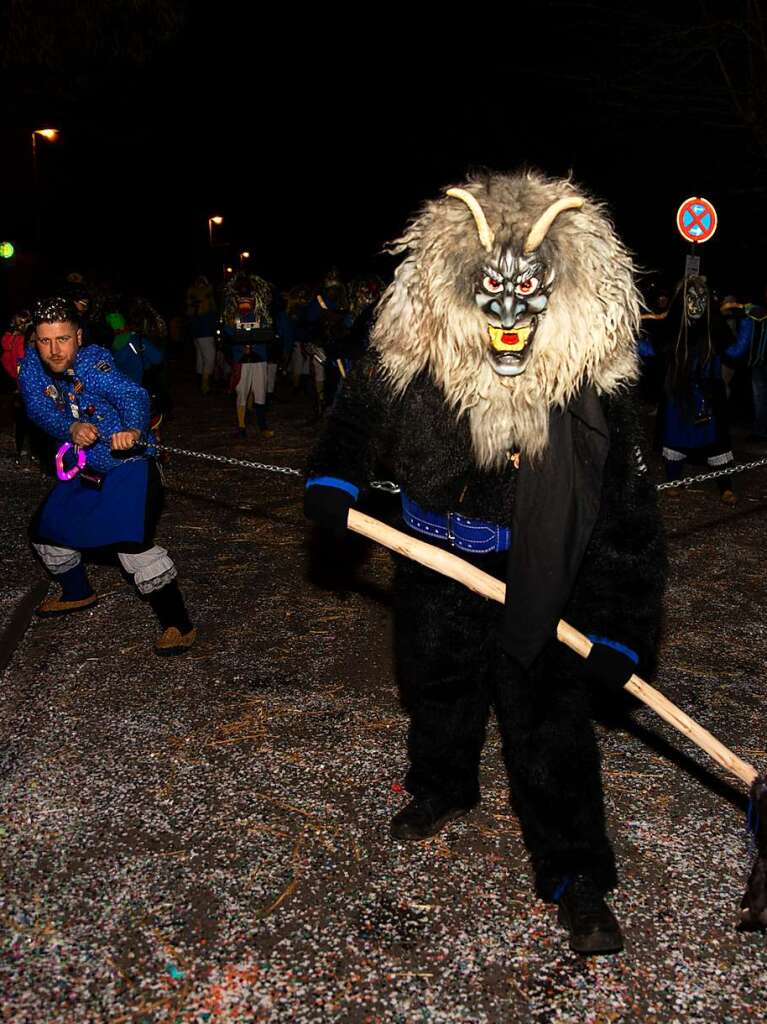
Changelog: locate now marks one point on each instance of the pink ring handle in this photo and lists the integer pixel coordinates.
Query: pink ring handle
(67, 474)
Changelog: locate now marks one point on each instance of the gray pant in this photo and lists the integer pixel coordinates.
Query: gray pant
(151, 569)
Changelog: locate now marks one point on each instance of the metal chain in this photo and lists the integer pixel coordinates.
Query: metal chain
(729, 470)
(226, 460)
(391, 488)
(380, 485)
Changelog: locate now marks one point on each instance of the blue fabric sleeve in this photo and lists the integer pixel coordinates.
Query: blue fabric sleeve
(332, 481)
(621, 648)
(645, 347)
(129, 398)
(742, 342)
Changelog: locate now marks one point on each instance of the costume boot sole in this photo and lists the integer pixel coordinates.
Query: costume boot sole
(171, 652)
(57, 613)
(434, 830)
(596, 943)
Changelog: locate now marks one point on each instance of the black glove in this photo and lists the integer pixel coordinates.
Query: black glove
(329, 506)
(609, 667)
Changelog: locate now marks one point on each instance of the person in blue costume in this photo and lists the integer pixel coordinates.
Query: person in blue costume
(752, 333)
(78, 397)
(133, 354)
(251, 334)
(692, 418)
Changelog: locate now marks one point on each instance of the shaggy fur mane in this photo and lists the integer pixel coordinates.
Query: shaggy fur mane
(428, 319)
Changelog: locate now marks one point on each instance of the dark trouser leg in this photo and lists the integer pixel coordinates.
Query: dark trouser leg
(674, 468)
(168, 605)
(66, 568)
(439, 631)
(554, 767)
(155, 577)
(759, 391)
(260, 411)
(75, 585)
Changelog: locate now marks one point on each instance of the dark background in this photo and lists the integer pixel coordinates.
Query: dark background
(317, 137)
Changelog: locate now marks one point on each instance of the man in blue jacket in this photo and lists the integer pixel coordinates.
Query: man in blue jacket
(109, 492)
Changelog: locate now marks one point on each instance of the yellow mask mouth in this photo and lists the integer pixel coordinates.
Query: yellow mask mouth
(509, 341)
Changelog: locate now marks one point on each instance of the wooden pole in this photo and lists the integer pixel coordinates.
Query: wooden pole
(488, 586)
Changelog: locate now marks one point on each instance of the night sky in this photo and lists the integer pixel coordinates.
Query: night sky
(317, 138)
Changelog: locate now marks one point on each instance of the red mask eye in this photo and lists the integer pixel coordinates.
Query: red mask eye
(527, 287)
(492, 284)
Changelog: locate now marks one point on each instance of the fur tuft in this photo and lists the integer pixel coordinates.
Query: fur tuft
(428, 320)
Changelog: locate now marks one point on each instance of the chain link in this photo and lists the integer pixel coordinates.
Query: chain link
(729, 470)
(380, 485)
(389, 487)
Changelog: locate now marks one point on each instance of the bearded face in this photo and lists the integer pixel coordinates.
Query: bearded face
(512, 294)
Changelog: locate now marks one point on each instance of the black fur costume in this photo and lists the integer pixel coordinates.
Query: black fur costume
(451, 665)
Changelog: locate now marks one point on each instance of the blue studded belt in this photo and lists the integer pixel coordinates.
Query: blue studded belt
(472, 535)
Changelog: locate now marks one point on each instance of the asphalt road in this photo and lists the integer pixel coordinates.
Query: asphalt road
(205, 838)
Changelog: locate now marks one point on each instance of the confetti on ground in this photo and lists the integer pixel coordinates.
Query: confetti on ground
(205, 839)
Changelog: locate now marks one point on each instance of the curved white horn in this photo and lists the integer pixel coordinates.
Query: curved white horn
(541, 227)
(485, 234)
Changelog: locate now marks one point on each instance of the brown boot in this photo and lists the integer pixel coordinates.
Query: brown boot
(728, 497)
(58, 606)
(173, 641)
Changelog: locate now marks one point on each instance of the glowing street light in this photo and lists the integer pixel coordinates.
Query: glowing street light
(244, 256)
(211, 221)
(50, 135)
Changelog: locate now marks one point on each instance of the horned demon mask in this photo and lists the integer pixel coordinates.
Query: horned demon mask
(514, 291)
(515, 285)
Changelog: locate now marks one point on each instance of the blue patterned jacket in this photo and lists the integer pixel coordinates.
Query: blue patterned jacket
(93, 391)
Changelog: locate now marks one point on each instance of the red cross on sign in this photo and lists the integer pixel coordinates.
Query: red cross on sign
(696, 219)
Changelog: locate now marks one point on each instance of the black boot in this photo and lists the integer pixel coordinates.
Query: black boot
(424, 817)
(178, 633)
(593, 927)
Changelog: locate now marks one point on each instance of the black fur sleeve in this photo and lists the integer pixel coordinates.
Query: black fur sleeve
(619, 591)
(356, 427)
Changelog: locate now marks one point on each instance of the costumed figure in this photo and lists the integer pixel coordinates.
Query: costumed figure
(293, 333)
(203, 319)
(328, 322)
(12, 348)
(692, 417)
(249, 326)
(133, 354)
(752, 333)
(365, 294)
(109, 493)
(495, 394)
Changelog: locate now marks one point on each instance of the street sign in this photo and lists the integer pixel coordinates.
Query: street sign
(6, 250)
(692, 266)
(696, 219)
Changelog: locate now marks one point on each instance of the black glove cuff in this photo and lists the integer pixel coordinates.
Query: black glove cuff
(609, 667)
(328, 506)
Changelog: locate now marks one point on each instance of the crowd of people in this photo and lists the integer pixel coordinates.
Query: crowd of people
(704, 356)
(704, 366)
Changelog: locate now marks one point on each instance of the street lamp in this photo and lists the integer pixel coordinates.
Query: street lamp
(50, 135)
(211, 221)
(244, 256)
